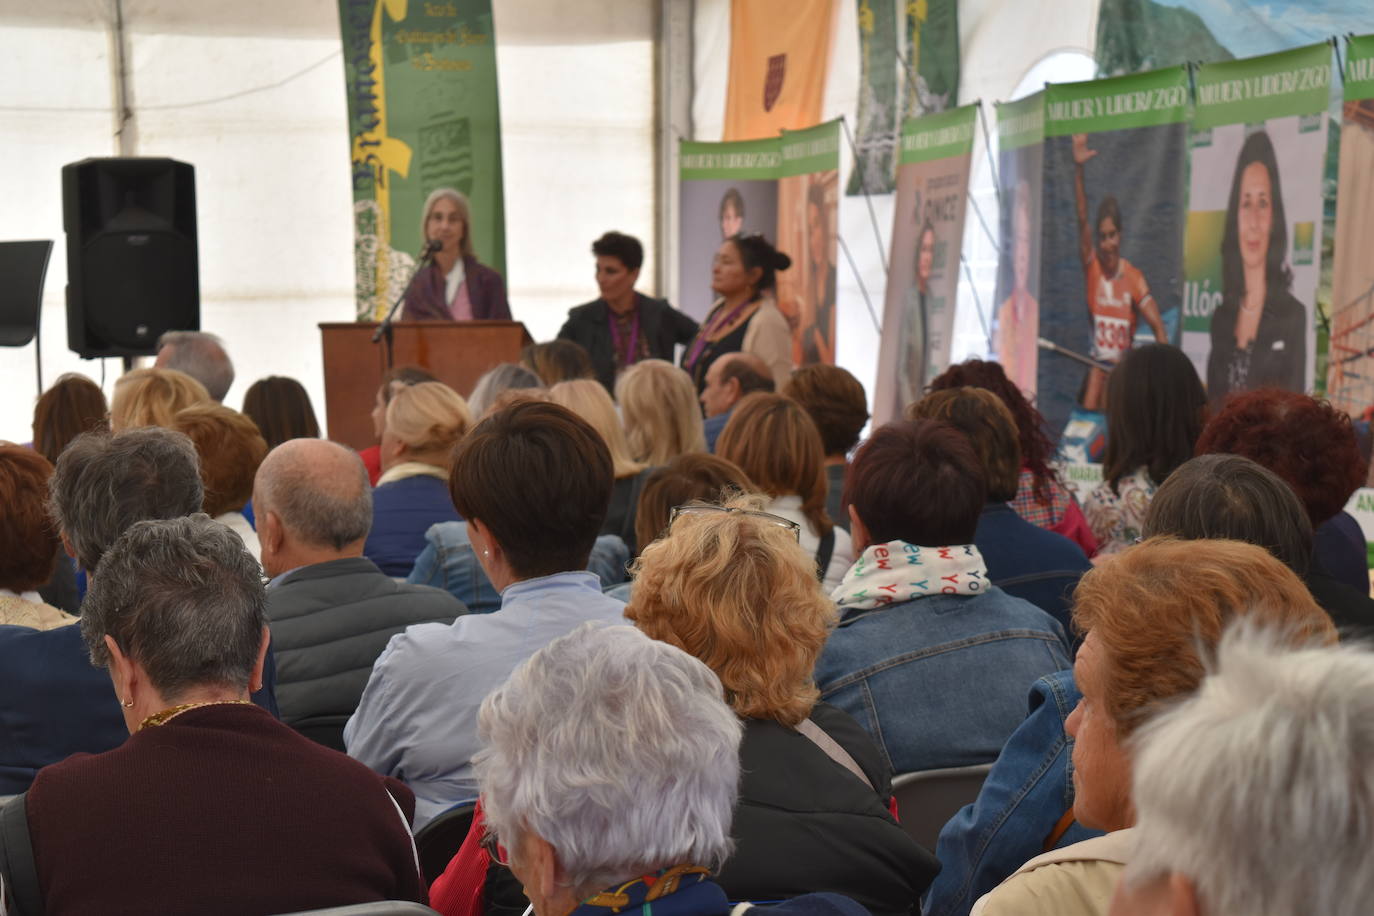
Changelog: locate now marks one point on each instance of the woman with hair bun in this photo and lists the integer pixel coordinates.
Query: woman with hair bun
(744, 318)
(423, 423)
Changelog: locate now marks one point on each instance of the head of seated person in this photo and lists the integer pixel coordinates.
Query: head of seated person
(229, 447)
(1150, 615)
(558, 361)
(28, 540)
(835, 401)
(72, 406)
(917, 482)
(588, 399)
(281, 408)
(732, 377)
(495, 382)
(199, 355)
(423, 423)
(662, 417)
(152, 397)
(313, 504)
(393, 381)
(534, 483)
(608, 757)
(1279, 744)
(773, 440)
(693, 477)
(1156, 407)
(736, 590)
(987, 424)
(177, 615)
(104, 483)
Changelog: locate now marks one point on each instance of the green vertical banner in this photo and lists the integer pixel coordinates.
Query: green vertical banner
(808, 207)
(1252, 249)
(423, 114)
(1350, 359)
(923, 269)
(909, 67)
(1115, 167)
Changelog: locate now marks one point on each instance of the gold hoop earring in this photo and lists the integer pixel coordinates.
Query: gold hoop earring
(127, 704)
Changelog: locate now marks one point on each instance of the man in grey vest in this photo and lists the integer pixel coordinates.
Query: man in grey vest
(331, 610)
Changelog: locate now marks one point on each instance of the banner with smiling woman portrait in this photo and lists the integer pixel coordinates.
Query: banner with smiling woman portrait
(923, 270)
(1350, 366)
(1252, 250)
(1020, 173)
(808, 203)
(1111, 238)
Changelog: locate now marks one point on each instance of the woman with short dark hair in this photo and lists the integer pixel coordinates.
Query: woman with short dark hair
(1155, 411)
(29, 542)
(622, 326)
(230, 449)
(838, 406)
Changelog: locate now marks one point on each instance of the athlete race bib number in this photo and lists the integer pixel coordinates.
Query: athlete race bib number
(1111, 338)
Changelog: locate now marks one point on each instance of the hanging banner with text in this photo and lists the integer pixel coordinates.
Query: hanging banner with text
(1252, 256)
(1112, 237)
(923, 269)
(779, 51)
(423, 114)
(1020, 174)
(808, 208)
(1350, 364)
(909, 67)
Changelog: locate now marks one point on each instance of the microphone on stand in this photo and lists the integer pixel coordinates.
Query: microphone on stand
(427, 253)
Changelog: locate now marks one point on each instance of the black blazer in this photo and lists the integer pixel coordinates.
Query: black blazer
(661, 325)
(1280, 347)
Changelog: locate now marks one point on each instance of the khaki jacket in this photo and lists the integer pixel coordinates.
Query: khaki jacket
(1077, 880)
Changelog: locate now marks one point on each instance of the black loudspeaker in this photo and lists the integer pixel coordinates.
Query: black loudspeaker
(133, 270)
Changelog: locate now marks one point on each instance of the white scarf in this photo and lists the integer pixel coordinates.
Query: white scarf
(897, 571)
(412, 469)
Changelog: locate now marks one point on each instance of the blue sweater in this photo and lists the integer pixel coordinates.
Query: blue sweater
(1030, 562)
(402, 511)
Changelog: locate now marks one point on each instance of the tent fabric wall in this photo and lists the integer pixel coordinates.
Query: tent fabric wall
(273, 194)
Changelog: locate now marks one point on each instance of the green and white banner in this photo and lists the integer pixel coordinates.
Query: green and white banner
(787, 189)
(1350, 361)
(423, 114)
(923, 270)
(1252, 258)
(1112, 236)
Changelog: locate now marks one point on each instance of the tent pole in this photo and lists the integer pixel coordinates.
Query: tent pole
(126, 137)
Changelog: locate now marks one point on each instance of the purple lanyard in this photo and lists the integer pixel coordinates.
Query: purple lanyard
(711, 327)
(615, 335)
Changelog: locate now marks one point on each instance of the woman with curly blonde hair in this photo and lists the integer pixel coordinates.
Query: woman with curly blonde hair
(152, 397)
(662, 416)
(732, 586)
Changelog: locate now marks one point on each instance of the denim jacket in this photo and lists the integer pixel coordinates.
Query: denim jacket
(940, 681)
(1028, 791)
(448, 562)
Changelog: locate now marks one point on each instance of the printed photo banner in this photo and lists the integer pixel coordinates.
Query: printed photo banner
(1252, 259)
(1020, 175)
(909, 67)
(1350, 359)
(787, 189)
(1111, 239)
(923, 269)
(423, 114)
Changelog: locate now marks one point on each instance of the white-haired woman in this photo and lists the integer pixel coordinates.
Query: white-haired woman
(454, 285)
(609, 775)
(662, 416)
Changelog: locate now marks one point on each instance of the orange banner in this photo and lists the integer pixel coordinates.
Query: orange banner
(779, 52)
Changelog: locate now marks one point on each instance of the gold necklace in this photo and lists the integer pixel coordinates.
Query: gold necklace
(166, 715)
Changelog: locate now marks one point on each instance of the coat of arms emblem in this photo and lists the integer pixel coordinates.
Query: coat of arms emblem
(772, 84)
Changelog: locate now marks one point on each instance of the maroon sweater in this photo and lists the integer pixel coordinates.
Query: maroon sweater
(221, 810)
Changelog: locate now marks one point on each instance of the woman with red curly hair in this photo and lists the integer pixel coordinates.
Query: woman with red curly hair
(1312, 446)
(1041, 498)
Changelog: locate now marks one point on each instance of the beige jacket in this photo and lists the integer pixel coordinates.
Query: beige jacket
(770, 339)
(1077, 880)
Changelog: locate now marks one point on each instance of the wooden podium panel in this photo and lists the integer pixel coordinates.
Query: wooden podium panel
(456, 352)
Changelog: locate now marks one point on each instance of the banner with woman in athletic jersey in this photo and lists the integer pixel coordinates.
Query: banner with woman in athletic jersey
(1253, 243)
(726, 189)
(923, 269)
(808, 205)
(1020, 174)
(1112, 238)
(1350, 359)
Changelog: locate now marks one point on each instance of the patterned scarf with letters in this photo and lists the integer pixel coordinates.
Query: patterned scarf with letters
(897, 571)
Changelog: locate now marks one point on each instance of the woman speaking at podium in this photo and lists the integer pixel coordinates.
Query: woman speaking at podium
(453, 285)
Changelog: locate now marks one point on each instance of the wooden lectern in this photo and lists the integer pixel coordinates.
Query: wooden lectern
(457, 352)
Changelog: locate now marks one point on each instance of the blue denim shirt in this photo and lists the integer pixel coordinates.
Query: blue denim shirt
(940, 681)
(449, 562)
(1028, 791)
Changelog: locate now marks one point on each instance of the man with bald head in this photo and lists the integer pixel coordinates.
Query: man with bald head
(331, 610)
(728, 380)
